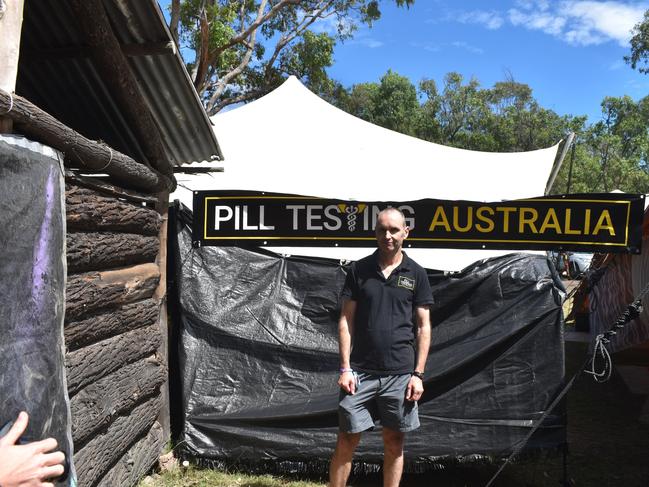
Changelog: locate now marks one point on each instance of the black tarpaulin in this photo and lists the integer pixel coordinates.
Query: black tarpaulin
(258, 357)
(32, 287)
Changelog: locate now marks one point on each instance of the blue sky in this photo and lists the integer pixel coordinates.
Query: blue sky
(570, 52)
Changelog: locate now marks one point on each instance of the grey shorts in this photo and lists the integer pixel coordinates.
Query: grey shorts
(378, 398)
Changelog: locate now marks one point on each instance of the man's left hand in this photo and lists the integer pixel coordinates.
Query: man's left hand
(415, 389)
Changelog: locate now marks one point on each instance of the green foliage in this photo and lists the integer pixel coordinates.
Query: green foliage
(612, 153)
(245, 48)
(308, 59)
(359, 101)
(395, 103)
(639, 58)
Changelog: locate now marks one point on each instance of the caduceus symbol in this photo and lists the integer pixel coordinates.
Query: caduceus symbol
(351, 211)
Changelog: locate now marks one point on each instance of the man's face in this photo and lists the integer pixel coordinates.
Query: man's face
(391, 231)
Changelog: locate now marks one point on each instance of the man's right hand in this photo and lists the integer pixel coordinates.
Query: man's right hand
(347, 382)
(28, 465)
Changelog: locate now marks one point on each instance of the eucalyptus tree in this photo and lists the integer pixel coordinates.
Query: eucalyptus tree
(239, 50)
(639, 57)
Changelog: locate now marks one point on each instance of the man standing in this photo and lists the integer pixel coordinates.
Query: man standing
(384, 336)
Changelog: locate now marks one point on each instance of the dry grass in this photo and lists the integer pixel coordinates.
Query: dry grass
(197, 477)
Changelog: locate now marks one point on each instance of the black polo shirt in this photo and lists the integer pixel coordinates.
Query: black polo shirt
(383, 341)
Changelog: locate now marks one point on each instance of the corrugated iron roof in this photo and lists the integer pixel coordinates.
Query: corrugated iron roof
(56, 73)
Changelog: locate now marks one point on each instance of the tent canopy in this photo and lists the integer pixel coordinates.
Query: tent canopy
(292, 141)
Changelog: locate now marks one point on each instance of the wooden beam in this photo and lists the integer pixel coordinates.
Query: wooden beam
(80, 151)
(94, 328)
(87, 365)
(11, 22)
(135, 464)
(197, 170)
(94, 407)
(160, 295)
(108, 189)
(96, 251)
(87, 210)
(96, 458)
(92, 292)
(115, 71)
(82, 52)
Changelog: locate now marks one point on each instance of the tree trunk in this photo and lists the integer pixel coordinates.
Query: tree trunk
(137, 461)
(86, 210)
(94, 291)
(80, 151)
(104, 450)
(94, 407)
(98, 251)
(89, 364)
(102, 326)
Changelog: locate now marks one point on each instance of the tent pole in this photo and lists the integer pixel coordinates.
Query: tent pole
(558, 161)
(572, 161)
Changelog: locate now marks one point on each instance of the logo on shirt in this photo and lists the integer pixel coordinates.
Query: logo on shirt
(406, 283)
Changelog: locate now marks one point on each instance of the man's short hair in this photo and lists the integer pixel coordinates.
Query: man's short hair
(392, 208)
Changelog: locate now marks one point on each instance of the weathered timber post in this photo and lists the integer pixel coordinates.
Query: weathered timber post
(161, 295)
(11, 23)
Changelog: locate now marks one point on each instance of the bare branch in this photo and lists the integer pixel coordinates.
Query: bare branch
(221, 85)
(261, 18)
(250, 45)
(242, 16)
(249, 95)
(175, 19)
(299, 30)
(203, 60)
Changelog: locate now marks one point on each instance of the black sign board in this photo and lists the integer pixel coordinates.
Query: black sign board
(587, 222)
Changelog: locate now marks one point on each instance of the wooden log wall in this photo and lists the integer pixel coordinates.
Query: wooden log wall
(114, 333)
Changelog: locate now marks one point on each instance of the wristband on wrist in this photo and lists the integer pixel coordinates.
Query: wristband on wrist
(345, 369)
(419, 375)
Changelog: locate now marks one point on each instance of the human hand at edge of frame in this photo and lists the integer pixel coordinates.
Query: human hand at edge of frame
(415, 389)
(347, 382)
(28, 465)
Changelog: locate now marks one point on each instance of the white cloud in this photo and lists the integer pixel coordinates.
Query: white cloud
(331, 25)
(426, 46)
(467, 47)
(533, 4)
(538, 20)
(363, 38)
(580, 22)
(491, 20)
(370, 42)
(431, 47)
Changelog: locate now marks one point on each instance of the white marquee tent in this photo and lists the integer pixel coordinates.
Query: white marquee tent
(292, 141)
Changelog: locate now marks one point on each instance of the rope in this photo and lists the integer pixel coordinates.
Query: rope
(110, 159)
(601, 350)
(11, 104)
(603, 339)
